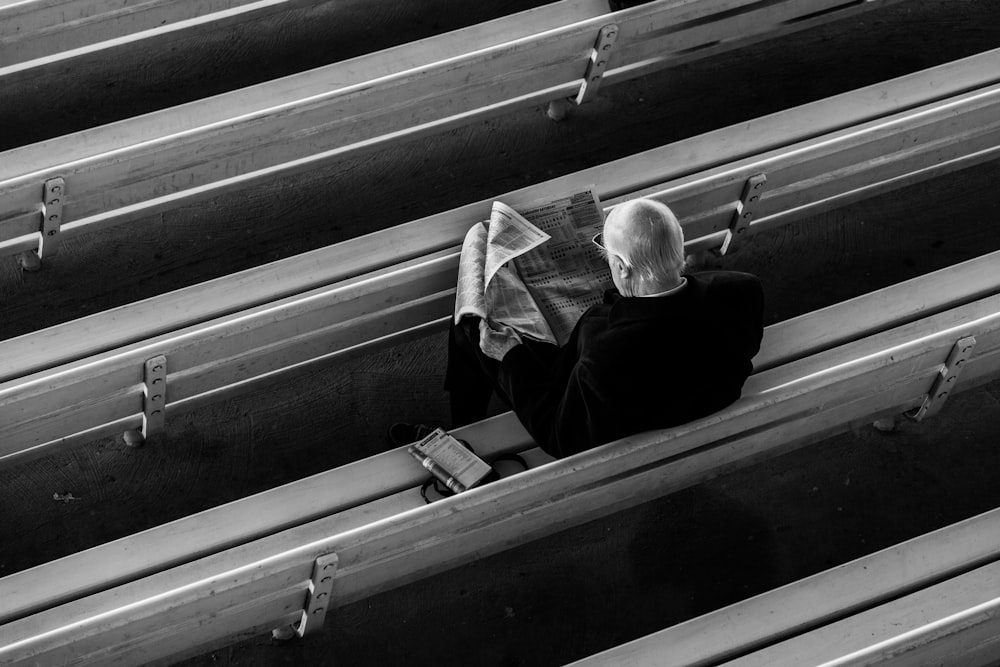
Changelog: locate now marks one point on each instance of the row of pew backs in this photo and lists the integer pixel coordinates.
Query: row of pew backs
(162, 160)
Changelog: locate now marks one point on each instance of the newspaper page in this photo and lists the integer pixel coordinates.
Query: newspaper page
(487, 285)
(536, 272)
(566, 275)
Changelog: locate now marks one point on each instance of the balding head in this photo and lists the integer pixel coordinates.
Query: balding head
(646, 236)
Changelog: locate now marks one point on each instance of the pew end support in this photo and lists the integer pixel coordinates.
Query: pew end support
(51, 213)
(753, 191)
(154, 402)
(598, 63)
(319, 597)
(947, 378)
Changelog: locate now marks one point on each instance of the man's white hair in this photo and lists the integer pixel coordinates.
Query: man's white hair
(653, 238)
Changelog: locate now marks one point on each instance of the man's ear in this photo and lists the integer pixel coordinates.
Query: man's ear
(621, 268)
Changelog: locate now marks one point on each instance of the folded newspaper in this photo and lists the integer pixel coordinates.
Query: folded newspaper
(536, 270)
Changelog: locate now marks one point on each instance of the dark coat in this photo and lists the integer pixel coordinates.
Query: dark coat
(633, 364)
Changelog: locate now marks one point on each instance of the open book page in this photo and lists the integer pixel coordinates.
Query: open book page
(567, 274)
(487, 287)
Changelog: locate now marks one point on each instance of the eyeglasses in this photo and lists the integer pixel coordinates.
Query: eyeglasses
(598, 240)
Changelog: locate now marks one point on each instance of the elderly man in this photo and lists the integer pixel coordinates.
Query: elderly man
(663, 349)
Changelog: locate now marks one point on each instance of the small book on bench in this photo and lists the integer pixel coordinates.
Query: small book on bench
(450, 461)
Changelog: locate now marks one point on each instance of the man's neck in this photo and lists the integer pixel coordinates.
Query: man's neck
(660, 288)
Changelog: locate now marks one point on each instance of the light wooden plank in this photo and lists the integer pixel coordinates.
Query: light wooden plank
(865, 156)
(815, 600)
(37, 33)
(47, 407)
(314, 82)
(918, 629)
(688, 35)
(149, 629)
(114, 31)
(892, 306)
(379, 329)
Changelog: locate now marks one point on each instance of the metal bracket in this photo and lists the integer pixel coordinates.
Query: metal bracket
(155, 395)
(598, 63)
(154, 400)
(944, 383)
(746, 207)
(52, 209)
(320, 589)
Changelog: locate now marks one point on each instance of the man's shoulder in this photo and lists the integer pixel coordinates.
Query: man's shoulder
(724, 278)
(728, 289)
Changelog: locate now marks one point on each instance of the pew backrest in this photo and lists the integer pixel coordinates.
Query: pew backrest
(162, 160)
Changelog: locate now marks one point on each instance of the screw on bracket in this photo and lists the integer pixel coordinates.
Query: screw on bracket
(753, 191)
(599, 57)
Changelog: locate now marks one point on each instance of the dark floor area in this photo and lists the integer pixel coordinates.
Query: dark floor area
(613, 579)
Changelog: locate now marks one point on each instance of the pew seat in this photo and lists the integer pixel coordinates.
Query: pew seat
(930, 600)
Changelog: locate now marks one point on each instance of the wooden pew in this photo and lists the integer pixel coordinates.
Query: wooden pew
(85, 379)
(41, 32)
(928, 599)
(162, 160)
(290, 554)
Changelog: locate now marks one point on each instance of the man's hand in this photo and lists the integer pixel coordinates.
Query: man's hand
(496, 340)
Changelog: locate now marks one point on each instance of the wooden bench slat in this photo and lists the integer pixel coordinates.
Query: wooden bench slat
(868, 313)
(674, 41)
(279, 588)
(816, 600)
(802, 176)
(908, 631)
(109, 31)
